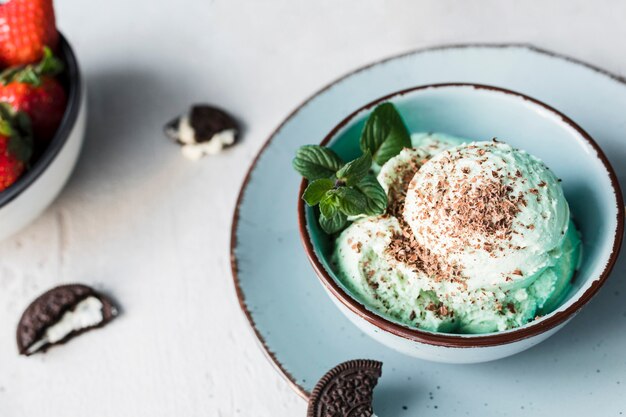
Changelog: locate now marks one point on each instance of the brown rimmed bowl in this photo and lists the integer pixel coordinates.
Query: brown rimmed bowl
(482, 112)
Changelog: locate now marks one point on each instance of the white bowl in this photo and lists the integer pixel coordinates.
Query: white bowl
(25, 200)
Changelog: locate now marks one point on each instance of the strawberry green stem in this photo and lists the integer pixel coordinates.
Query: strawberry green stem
(33, 73)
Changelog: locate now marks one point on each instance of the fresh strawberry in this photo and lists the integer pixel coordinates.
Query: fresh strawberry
(26, 26)
(16, 145)
(34, 90)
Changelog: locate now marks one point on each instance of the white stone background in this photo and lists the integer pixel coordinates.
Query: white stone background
(153, 229)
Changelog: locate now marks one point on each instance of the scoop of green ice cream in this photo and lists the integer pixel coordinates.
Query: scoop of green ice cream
(493, 211)
(477, 259)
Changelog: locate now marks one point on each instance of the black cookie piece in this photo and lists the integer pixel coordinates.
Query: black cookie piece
(49, 308)
(346, 390)
(206, 121)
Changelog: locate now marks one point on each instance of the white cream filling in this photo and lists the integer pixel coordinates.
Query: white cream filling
(186, 133)
(194, 150)
(87, 313)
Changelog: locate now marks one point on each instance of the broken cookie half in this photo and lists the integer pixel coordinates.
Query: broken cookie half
(203, 130)
(60, 314)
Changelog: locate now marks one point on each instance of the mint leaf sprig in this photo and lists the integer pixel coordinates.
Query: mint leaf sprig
(340, 189)
(350, 189)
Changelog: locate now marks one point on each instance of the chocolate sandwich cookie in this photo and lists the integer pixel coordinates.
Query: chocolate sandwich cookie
(346, 390)
(203, 130)
(60, 314)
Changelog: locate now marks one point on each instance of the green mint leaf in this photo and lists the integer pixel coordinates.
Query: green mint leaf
(314, 162)
(334, 223)
(394, 144)
(316, 190)
(350, 202)
(331, 218)
(385, 134)
(329, 204)
(354, 171)
(375, 196)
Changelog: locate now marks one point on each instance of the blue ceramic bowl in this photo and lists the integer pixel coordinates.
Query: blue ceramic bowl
(482, 112)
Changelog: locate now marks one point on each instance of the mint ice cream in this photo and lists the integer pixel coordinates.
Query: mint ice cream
(477, 238)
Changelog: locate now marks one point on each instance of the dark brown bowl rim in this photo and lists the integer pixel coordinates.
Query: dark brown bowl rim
(74, 98)
(453, 340)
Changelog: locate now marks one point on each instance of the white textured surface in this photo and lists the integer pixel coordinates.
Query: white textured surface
(152, 229)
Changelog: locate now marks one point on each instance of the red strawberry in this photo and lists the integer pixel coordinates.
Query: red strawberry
(26, 26)
(33, 90)
(16, 145)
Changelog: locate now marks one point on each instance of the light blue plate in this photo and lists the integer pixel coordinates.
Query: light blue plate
(579, 371)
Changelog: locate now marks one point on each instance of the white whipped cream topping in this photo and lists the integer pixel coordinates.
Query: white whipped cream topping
(87, 313)
(194, 150)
